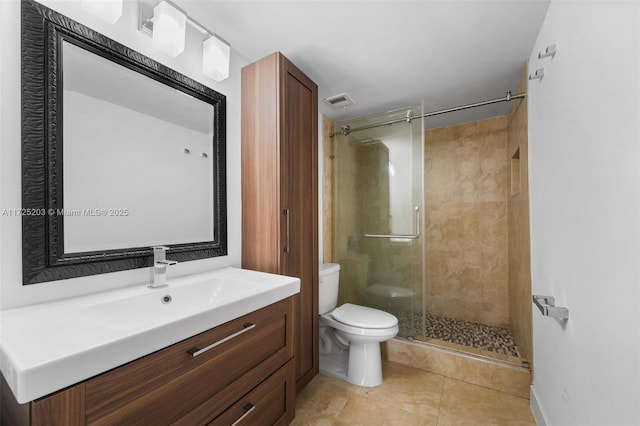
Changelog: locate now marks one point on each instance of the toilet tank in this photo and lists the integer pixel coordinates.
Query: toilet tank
(328, 287)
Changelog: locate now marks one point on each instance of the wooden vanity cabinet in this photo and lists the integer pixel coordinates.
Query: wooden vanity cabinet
(249, 377)
(280, 189)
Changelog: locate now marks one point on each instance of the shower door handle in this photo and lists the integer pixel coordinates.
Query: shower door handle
(416, 227)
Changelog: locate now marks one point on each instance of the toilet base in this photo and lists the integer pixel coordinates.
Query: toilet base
(365, 364)
(335, 364)
(360, 365)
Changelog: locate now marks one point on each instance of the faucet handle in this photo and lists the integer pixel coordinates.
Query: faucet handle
(160, 254)
(159, 267)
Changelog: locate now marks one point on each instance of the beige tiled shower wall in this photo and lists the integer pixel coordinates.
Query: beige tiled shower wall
(466, 222)
(361, 205)
(361, 171)
(327, 186)
(519, 247)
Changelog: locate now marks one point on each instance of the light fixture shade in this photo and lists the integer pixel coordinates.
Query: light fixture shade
(169, 29)
(107, 10)
(215, 58)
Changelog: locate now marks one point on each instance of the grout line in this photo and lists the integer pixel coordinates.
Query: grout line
(510, 395)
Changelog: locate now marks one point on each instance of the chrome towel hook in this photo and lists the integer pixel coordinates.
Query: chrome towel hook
(551, 50)
(538, 74)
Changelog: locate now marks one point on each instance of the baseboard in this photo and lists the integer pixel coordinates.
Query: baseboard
(537, 410)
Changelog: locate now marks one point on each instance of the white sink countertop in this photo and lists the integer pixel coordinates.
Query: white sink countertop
(47, 347)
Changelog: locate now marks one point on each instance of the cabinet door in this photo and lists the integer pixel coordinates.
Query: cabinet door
(262, 241)
(300, 259)
(270, 403)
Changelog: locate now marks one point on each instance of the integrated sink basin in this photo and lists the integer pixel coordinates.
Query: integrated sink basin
(47, 347)
(167, 304)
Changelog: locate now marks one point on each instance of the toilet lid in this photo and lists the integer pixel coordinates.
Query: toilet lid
(363, 317)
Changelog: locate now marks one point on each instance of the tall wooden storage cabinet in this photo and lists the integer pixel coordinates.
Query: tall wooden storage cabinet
(279, 189)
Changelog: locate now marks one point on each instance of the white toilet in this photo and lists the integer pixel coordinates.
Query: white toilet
(350, 335)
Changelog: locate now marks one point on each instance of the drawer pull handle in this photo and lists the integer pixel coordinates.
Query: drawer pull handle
(195, 351)
(248, 409)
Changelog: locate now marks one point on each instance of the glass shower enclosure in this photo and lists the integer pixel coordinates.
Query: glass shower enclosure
(378, 181)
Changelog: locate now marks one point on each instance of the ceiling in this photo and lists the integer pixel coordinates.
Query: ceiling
(107, 81)
(389, 54)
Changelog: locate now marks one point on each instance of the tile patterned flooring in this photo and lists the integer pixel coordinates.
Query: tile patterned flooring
(407, 397)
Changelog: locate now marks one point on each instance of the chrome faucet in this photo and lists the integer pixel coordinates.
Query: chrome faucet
(160, 264)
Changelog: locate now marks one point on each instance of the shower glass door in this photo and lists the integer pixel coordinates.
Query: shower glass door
(378, 197)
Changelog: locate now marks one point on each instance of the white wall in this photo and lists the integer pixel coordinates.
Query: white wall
(584, 165)
(12, 292)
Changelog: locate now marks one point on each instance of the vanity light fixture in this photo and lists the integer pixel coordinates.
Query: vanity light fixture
(216, 52)
(215, 58)
(169, 29)
(107, 10)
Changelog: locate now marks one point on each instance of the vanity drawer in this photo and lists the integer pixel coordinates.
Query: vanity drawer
(272, 402)
(191, 376)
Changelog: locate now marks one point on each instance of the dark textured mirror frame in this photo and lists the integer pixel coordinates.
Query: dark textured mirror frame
(43, 257)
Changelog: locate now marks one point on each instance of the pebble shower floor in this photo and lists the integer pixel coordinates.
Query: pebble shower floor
(480, 336)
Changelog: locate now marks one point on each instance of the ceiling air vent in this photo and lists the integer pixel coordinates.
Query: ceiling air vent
(338, 101)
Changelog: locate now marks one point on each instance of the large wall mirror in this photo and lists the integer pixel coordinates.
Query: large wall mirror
(119, 153)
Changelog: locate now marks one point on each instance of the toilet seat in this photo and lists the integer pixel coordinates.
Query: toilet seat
(329, 320)
(364, 317)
